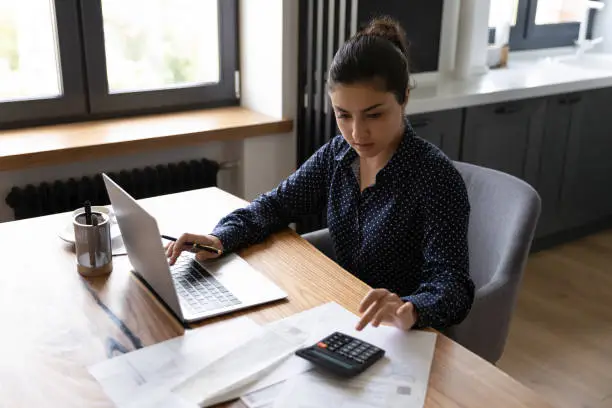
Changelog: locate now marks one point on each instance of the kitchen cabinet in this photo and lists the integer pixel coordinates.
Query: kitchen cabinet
(561, 145)
(442, 128)
(506, 137)
(586, 192)
(562, 118)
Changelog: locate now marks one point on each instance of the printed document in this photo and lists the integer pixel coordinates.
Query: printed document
(144, 377)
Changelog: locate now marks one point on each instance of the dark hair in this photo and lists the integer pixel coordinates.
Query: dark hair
(379, 52)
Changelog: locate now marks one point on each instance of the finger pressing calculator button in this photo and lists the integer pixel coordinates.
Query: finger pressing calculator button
(321, 345)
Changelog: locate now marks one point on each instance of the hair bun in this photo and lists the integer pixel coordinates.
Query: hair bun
(390, 29)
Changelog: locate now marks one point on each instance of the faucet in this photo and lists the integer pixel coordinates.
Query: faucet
(582, 43)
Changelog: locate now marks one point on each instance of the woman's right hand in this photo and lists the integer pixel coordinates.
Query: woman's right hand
(174, 249)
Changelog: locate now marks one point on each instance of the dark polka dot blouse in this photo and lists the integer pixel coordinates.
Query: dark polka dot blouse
(406, 233)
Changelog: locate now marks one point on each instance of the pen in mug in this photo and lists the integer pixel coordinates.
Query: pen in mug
(94, 243)
(196, 245)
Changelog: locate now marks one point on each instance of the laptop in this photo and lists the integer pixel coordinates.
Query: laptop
(192, 290)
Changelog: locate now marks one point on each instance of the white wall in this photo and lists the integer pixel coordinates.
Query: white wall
(448, 36)
(269, 40)
(463, 38)
(269, 68)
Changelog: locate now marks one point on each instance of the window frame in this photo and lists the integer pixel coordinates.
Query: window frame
(542, 36)
(84, 85)
(527, 35)
(72, 102)
(101, 101)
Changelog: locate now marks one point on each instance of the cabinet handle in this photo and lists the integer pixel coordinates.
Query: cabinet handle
(567, 100)
(420, 123)
(507, 109)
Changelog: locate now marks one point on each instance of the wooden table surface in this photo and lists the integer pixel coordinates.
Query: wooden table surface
(56, 324)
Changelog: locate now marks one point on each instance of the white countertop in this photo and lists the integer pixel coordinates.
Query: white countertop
(528, 75)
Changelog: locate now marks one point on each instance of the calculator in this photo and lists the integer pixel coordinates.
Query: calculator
(342, 354)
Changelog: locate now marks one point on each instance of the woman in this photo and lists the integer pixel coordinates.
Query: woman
(397, 208)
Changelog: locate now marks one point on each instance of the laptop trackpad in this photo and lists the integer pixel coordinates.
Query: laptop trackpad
(240, 278)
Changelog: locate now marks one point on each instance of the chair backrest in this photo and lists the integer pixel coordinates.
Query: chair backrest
(503, 218)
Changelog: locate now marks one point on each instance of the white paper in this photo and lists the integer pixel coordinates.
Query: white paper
(399, 379)
(237, 358)
(316, 389)
(264, 397)
(144, 377)
(225, 377)
(318, 322)
(408, 356)
(407, 360)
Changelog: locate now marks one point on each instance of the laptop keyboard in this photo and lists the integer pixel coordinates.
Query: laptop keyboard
(198, 289)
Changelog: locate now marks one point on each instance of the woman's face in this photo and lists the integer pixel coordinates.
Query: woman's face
(370, 120)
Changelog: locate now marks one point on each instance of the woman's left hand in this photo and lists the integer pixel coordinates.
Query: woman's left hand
(380, 305)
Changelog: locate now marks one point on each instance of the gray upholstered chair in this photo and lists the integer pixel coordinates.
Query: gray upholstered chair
(504, 214)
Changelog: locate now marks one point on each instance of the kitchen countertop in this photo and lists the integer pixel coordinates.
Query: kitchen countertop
(529, 74)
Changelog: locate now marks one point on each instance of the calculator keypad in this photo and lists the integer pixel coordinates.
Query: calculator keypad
(350, 348)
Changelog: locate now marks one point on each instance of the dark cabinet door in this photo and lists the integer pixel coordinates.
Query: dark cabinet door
(561, 113)
(506, 136)
(586, 194)
(442, 128)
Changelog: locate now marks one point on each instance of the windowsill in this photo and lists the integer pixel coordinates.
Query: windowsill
(59, 144)
(522, 55)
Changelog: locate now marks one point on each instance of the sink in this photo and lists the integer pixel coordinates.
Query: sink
(588, 61)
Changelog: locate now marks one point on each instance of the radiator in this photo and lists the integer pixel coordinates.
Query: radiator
(66, 195)
(323, 25)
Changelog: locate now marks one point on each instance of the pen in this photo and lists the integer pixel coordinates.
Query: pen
(94, 244)
(195, 245)
(90, 234)
(87, 206)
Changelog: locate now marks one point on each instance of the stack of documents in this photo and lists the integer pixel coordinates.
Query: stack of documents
(240, 359)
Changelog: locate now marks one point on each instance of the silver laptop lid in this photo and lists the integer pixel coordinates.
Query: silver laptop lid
(142, 241)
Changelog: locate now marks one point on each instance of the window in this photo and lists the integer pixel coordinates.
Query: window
(40, 70)
(81, 59)
(152, 47)
(540, 23)
(28, 52)
(558, 11)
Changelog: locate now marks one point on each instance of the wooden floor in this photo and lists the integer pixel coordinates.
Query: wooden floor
(560, 341)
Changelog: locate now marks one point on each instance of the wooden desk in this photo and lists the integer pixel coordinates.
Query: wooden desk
(55, 323)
